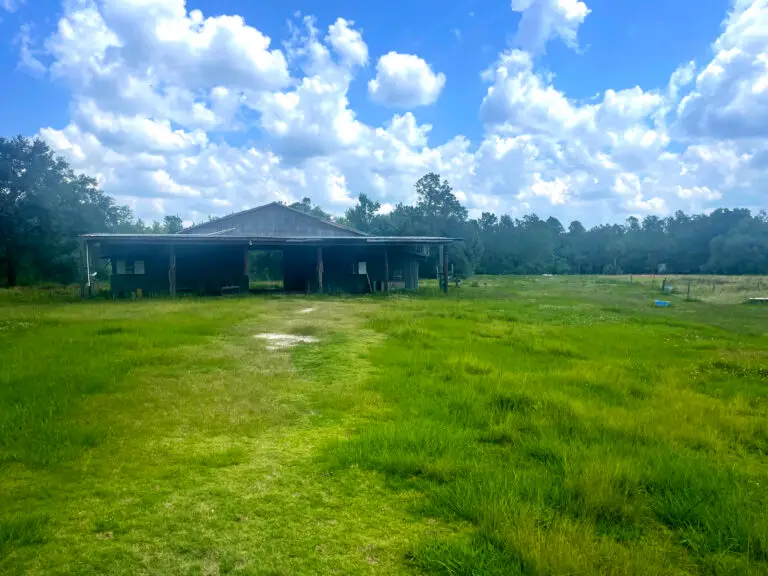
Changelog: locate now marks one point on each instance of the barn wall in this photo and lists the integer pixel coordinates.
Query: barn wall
(205, 269)
(271, 220)
(340, 265)
(199, 269)
(154, 281)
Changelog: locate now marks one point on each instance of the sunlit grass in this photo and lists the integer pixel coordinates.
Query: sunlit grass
(520, 425)
(577, 428)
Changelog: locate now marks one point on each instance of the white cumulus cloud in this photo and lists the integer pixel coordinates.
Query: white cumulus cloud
(28, 53)
(158, 89)
(405, 81)
(543, 20)
(348, 42)
(730, 98)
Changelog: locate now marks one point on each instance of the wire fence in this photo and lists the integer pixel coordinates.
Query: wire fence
(719, 289)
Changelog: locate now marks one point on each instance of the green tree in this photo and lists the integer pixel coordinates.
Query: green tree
(436, 199)
(306, 206)
(172, 224)
(44, 205)
(741, 250)
(439, 213)
(362, 216)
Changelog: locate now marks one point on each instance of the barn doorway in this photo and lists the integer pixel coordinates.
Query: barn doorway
(266, 271)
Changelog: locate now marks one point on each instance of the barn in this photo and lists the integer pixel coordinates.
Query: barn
(214, 258)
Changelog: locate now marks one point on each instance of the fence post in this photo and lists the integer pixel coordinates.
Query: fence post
(689, 289)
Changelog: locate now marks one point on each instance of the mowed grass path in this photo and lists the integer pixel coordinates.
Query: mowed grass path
(518, 426)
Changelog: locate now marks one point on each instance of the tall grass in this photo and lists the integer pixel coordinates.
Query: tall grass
(707, 288)
(40, 294)
(576, 432)
(518, 426)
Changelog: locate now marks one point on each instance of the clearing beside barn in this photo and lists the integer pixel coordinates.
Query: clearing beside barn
(517, 426)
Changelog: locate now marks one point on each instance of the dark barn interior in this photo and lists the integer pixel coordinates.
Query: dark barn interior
(213, 258)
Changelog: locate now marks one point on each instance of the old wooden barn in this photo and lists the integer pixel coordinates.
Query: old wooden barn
(213, 258)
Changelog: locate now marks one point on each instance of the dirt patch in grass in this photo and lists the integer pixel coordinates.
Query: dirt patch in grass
(281, 341)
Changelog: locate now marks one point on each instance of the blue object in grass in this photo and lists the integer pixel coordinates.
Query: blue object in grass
(661, 304)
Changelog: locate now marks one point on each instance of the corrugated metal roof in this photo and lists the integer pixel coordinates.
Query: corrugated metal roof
(266, 240)
(279, 205)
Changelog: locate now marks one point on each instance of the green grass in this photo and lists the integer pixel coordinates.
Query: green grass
(517, 426)
(708, 288)
(265, 285)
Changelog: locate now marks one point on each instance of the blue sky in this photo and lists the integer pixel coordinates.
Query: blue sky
(593, 109)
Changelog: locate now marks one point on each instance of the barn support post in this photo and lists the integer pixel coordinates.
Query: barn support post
(172, 271)
(246, 268)
(84, 268)
(386, 270)
(320, 269)
(411, 274)
(444, 261)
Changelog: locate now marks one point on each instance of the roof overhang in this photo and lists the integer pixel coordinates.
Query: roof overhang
(266, 241)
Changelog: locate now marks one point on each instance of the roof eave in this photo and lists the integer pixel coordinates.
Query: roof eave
(266, 240)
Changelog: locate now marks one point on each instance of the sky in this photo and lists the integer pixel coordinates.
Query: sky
(590, 110)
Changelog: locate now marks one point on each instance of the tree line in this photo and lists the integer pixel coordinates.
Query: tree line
(45, 205)
(724, 241)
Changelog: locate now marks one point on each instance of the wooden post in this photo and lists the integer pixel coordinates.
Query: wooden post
(83, 268)
(386, 270)
(172, 271)
(653, 282)
(246, 262)
(320, 269)
(445, 268)
(689, 289)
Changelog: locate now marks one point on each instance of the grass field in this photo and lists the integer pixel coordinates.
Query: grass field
(708, 288)
(516, 426)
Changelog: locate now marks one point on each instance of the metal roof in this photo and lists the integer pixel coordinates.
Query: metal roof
(279, 205)
(266, 240)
